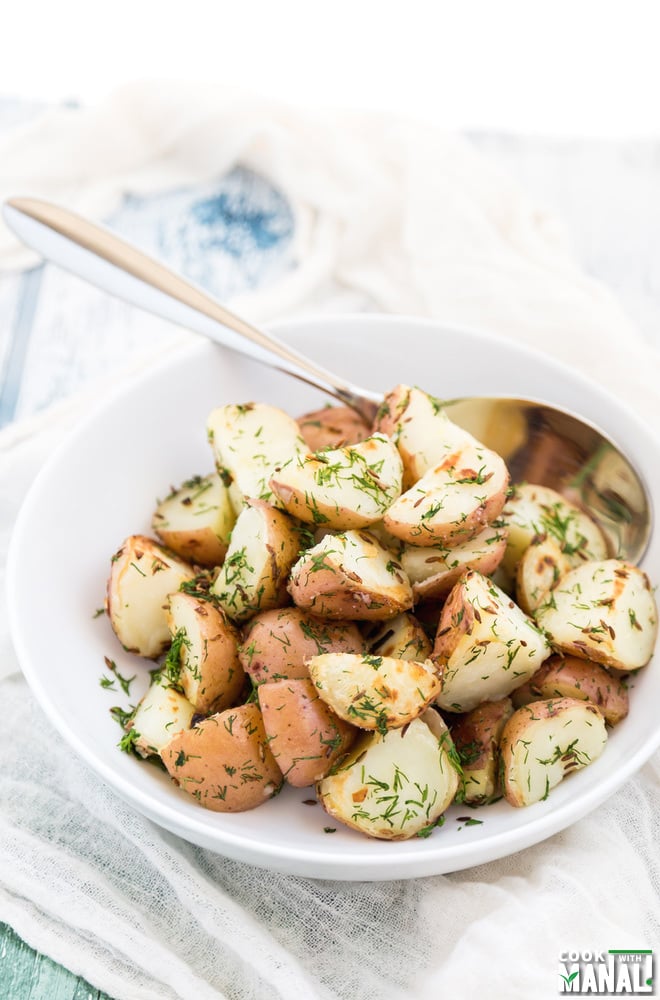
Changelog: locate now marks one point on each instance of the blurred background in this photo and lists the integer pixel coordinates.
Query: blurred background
(562, 96)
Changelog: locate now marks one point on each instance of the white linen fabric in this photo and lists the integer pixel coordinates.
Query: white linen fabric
(398, 217)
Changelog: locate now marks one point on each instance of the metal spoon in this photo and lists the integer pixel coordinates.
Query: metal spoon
(540, 443)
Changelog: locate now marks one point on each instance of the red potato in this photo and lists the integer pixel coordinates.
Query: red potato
(142, 576)
(208, 667)
(224, 762)
(332, 427)
(476, 736)
(350, 576)
(342, 488)
(195, 521)
(374, 692)
(305, 737)
(279, 643)
(543, 742)
(421, 430)
(264, 545)
(453, 501)
(433, 570)
(570, 677)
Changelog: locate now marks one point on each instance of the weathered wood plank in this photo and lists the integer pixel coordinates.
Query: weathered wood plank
(27, 975)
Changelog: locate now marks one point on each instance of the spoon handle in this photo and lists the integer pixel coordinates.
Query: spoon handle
(103, 259)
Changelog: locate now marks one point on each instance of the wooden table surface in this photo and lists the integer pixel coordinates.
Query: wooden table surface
(56, 334)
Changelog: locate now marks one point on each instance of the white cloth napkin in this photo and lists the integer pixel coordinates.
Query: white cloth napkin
(397, 216)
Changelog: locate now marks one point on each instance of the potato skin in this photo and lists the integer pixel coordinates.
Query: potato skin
(305, 737)
(278, 643)
(476, 736)
(326, 587)
(142, 575)
(224, 762)
(211, 675)
(543, 726)
(571, 677)
(332, 427)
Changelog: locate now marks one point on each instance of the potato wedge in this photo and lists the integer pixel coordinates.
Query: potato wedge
(195, 521)
(278, 644)
(476, 736)
(160, 714)
(543, 742)
(350, 576)
(250, 441)
(434, 569)
(332, 427)
(570, 677)
(603, 611)
(533, 511)
(421, 430)
(540, 568)
(142, 575)
(486, 646)
(342, 488)
(396, 785)
(264, 545)
(206, 662)
(401, 638)
(305, 737)
(453, 501)
(224, 761)
(374, 692)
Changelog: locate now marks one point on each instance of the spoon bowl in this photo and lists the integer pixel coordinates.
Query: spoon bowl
(540, 443)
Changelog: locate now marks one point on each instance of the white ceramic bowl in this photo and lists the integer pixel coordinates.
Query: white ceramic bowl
(101, 486)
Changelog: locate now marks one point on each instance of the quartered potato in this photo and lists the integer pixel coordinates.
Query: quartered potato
(250, 442)
(343, 488)
(350, 576)
(453, 501)
(161, 714)
(264, 545)
(279, 643)
(421, 430)
(570, 677)
(434, 569)
(224, 761)
(304, 736)
(207, 665)
(401, 637)
(397, 784)
(195, 521)
(541, 567)
(374, 692)
(603, 611)
(486, 646)
(332, 427)
(543, 742)
(476, 736)
(536, 511)
(142, 576)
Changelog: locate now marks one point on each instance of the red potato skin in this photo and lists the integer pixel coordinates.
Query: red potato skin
(332, 427)
(477, 733)
(338, 597)
(202, 548)
(557, 677)
(437, 587)
(278, 643)
(305, 736)
(456, 620)
(225, 762)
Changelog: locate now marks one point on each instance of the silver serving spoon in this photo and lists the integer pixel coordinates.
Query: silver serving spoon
(541, 444)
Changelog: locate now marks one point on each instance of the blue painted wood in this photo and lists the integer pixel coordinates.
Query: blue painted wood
(27, 975)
